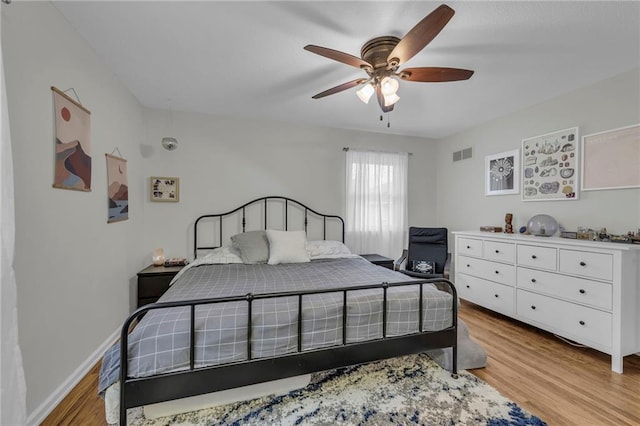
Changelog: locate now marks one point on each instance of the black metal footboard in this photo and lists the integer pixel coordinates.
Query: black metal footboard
(135, 392)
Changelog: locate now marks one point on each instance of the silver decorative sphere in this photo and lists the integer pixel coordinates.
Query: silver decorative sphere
(542, 225)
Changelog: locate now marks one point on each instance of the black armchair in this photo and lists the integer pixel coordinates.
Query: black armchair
(426, 244)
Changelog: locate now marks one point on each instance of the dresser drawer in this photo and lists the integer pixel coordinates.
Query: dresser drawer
(537, 257)
(587, 264)
(491, 295)
(470, 247)
(501, 252)
(580, 323)
(498, 272)
(580, 290)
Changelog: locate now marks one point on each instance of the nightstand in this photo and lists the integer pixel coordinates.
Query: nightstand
(379, 260)
(153, 281)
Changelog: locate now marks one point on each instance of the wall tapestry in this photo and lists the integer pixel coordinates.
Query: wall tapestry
(502, 173)
(118, 188)
(550, 166)
(165, 189)
(611, 159)
(73, 143)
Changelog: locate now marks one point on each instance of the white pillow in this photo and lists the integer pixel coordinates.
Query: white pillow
(327, 249)
(221, 255)
(287, 247)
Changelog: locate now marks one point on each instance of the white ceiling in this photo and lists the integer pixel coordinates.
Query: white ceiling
(247, 59)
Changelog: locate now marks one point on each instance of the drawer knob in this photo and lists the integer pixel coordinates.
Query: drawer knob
(497, 272)
(583, 264)
(581, 322)
(533, 280)
(533, 256)
(468, 266)
(497, 251)
(468, 247)
(582, 291)
(533, 307)
(496, 295)
(468, 287)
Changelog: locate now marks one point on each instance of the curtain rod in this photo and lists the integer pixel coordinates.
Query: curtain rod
(346, 148)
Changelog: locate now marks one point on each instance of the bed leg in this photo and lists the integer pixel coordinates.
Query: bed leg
(454, 360)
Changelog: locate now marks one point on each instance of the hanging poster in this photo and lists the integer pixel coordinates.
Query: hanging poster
(550, 166)
(73, 143)
(118, 189)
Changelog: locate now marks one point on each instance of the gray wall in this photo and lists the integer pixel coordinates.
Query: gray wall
(224, 162)
(606, 105)
(73, 270)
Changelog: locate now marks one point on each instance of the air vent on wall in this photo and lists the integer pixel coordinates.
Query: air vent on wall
(463, 154)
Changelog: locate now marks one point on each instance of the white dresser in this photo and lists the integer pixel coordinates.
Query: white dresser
(585, 291)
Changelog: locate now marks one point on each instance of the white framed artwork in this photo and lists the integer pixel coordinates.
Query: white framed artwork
(611, 159)
(550, 166)
(502, 173)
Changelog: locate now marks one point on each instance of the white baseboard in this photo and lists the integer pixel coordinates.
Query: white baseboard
(40, 414)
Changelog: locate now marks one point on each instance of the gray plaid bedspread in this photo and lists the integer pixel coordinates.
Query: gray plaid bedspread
(160, 342)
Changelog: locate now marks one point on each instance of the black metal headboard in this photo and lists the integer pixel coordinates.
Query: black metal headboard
(254, 215)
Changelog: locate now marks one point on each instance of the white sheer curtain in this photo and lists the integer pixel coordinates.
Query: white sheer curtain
(377, 202)
(12, 384)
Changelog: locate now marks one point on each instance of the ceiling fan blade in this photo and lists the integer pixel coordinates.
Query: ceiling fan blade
(340, 88)
(336, 55)
(420, 35)
(435, 74)
(380, 97)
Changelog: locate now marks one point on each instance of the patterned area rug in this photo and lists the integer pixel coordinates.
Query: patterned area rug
(401, 391)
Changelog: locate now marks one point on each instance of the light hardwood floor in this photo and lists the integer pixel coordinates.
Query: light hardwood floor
(560, 383)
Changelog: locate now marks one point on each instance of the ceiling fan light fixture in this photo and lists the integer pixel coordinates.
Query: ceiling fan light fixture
(365, 92)
(389, 86)
(391, 99)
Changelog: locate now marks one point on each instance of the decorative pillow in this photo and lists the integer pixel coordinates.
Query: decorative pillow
(287, 247)
(327, 249)
(423, 266)
(222, 255)
(253, 246)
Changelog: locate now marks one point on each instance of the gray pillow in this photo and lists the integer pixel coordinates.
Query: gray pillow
(253, 246)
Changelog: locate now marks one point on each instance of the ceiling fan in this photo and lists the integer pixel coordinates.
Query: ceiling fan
(381, 58)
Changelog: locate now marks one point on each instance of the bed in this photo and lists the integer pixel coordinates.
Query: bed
(229, 321)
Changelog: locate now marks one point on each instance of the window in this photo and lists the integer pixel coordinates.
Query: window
(376, 202)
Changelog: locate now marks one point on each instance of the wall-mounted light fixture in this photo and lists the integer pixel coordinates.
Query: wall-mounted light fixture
(169, 142)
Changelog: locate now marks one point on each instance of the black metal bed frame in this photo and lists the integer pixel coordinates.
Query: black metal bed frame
(265, 200)
(135, 392)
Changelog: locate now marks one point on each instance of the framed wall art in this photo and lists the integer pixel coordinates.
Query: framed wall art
(502, 173)
(550, 166)
(165, 189)
(118, 189)
(73, 143)
(611, 159)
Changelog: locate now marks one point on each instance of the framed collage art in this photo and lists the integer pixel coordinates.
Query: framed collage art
(550, 166)
(164, 189)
